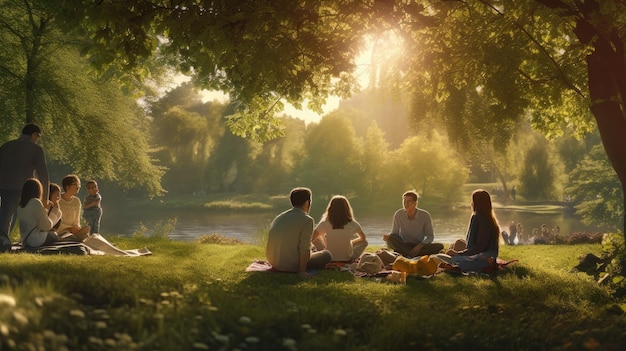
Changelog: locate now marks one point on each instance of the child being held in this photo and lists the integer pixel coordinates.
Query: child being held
(92, 210)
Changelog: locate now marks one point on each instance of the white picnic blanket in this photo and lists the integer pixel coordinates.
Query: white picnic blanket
(102, 246)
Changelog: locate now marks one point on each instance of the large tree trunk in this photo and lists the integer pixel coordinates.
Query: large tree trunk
(606, 67)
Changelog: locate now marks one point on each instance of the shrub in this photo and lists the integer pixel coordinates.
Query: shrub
(215, 238)
(580, 238)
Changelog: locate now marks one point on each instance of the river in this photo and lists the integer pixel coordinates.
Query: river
(448, 225)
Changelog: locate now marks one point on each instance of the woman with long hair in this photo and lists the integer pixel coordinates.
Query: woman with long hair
(36, 219)
(481, 244)
(339, 232)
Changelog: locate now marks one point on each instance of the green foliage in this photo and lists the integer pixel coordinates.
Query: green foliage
(537, 180)
(235, 205)
(219, 239)
(609, 268)
(332, 158)
(614, 254)
(88, 123)
(430, 166)
(374, 161)
(161, 229)
(595, 190)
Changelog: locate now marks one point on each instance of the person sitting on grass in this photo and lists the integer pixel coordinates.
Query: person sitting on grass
(412, 231)
(339, 232)
(36, 220)
(481, 245)
(290, 235)
(71, 207)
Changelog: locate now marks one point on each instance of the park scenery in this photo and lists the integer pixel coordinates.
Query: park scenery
(197, 119)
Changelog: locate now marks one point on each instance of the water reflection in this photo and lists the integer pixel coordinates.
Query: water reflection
(448, 225)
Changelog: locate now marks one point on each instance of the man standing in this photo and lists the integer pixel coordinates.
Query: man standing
(290, 236)
(20, 159)
(412, 231)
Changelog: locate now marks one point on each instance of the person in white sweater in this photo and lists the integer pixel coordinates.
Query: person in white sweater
(72, 208)
(36, 219)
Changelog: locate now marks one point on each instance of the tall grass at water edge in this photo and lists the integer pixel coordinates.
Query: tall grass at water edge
(192, 296)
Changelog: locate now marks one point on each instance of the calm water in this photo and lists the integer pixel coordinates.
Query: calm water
(449, 225)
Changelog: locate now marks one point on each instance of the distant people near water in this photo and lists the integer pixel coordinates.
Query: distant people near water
(543, 235)
(412, 232)
(339, 232)
(555, 231)
(509, 238)
(481, 245)
(513, 193)
(290, 236)
(520, 234)
(92, 208)
(535, 236)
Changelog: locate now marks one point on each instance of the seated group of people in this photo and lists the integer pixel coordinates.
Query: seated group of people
(517, 236)
(296, 244)
(57, 219)
(47, 221)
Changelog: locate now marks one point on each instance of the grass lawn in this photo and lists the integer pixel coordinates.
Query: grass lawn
(192, 296)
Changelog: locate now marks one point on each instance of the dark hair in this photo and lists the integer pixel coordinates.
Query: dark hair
(299, 196)
(31, 128)
(338, 212)
(53, 187)
(31, 189)
(413, 194)
(68, 180)
(481, 203)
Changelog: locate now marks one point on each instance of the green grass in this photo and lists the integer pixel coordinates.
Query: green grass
(192, 296)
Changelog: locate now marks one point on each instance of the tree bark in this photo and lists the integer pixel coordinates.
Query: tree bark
(606, 69)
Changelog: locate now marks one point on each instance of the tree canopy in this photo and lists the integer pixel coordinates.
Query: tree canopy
(88, 123)
(475, 65)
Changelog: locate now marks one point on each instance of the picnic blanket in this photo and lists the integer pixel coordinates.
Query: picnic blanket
(497, 266)
(260, 266)
(94, 245)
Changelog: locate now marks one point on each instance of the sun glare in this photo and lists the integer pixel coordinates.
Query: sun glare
(370, 67)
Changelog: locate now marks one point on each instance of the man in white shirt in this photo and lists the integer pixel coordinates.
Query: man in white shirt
(412, 230)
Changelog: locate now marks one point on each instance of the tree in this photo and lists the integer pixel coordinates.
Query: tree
(331, 162)
(549, 60)
(538, 175)
(374, 164)
(88, 123)
(595, 190)
(187, 132)
(428, 165)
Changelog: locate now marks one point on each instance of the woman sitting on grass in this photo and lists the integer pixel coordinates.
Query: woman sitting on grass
(36, 219)
(480, 248)
(338, 232)
(71, 207)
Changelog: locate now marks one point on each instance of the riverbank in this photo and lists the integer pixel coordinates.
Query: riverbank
(246, 217)
(191, 296)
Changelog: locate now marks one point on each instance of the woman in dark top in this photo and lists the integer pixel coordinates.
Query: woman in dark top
(480, 248)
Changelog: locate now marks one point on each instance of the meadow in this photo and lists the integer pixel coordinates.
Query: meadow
(197, 296)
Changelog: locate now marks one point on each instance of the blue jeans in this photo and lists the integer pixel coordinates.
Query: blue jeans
(92, 217)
